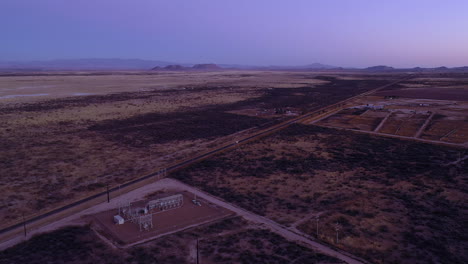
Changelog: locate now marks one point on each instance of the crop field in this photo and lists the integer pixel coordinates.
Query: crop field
(229, 241)
(72, 134)
(395, 201)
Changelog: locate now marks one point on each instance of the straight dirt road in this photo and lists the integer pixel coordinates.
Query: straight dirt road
(59, 215)
(462, 145)
(168, 183)
(53, 215)
(270, 224)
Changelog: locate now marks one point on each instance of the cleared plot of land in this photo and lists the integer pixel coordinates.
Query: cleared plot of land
(56, 149)
(436, 120)
(229, 241)
(448, 129)
(396, 201)
(361, 119)
(404, 124)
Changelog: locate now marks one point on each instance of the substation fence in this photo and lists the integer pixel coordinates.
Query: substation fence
(27, 223)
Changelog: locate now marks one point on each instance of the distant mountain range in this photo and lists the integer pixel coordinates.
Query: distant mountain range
(383, 68)
(83, 64)
(138, 64)
(313, 66)
(196, 67)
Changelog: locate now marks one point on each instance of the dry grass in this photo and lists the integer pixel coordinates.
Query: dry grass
(57, 148)
(354, 119)
(229, 241)
(450, 123)
(397, 201)
(73, 84)
(50, 156)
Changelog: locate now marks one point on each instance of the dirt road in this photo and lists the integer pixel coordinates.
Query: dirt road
(423, 127)
(15, 230)
(463, 145)
(53, 215)
(271, 225)
(167, 183)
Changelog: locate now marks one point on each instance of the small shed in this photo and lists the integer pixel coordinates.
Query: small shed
(118, 219)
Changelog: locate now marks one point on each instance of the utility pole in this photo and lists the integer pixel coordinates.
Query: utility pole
(162, 172)
(24, 224)
(317, 219)
(198, 258)
(108, 198)
(337, 229)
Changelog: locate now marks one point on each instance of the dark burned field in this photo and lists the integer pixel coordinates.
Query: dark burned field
(230, 241)
(440, 87)
(456, 94)
(214, 121)
(397, 201)
(55, 150)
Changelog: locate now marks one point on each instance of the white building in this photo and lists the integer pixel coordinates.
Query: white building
(118, 219)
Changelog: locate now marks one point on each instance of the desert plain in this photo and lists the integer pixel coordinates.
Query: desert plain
(382, 178)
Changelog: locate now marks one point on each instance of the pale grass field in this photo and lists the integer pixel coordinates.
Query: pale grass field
(50, 158)
(97, 112)
(57, 86)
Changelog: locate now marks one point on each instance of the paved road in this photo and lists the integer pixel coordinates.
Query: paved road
(53, 215)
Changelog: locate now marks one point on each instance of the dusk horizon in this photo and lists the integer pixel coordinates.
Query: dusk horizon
(351, 34)
(246, 131)
(173, 62)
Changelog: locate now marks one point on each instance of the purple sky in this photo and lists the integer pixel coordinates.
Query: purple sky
(349, 33)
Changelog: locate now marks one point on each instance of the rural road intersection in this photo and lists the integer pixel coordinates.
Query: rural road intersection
(168, 183)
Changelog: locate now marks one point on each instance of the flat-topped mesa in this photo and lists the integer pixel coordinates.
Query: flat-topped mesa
(379, 68)
(196, 67)
(207, 66)
(173, 67)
